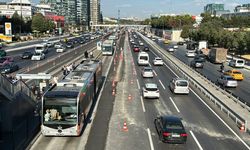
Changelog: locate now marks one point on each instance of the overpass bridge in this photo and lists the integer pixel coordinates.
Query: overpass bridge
(101, 26)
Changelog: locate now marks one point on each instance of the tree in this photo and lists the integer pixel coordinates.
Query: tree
(247, 38)
(38, 23)
(17, 23)
(186, 31)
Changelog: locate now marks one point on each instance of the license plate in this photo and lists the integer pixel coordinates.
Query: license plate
(175, 135)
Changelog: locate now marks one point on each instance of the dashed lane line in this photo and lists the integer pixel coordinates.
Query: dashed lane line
(142, 103)
(162, 84)
(174, 104)
(138, 84)
(196, 141)
(150, 139)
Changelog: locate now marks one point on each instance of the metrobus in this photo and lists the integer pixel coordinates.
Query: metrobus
(66, 105)
(108, 47)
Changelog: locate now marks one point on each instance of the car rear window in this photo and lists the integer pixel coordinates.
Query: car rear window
(182, 83)
(237, 72)
(148, 70)
(173, 125)
(144, 57)
(230, 78)
(240, 61)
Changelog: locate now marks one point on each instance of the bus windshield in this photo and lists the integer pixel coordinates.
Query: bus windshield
(107, 48)
(59, 111)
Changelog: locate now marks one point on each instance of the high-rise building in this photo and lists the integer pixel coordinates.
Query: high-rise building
(94, 11)
(76, 12)
(215, 9)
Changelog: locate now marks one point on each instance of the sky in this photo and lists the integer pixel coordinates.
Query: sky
(144, 8)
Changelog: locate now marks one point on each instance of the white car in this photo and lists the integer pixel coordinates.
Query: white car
(50, 44)
(150, 90)
(141, 44)
(158, 61)
(147, 72)
(227, 81)
(60, 49)
(176, 47)
(58, 45)
(179, 86)
(190, 53)
(38, 56)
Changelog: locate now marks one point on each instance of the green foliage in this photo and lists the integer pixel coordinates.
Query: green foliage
(17, 23)
(41, 24)
(170, 22)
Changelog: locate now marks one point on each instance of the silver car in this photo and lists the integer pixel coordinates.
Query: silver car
(227, 81)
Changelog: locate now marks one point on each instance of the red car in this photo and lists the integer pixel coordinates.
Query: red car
(5, 60)
(136, 49)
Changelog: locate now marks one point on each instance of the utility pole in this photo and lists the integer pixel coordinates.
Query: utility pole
(21, 16)
(118, 18)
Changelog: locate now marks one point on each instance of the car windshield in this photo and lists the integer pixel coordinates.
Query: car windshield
(63, 111)
(39, 48)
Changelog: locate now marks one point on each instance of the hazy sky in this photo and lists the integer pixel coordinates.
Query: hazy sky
(144, 8)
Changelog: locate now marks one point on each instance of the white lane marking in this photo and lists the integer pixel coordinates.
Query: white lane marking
(195, 139)
(162, 84)
(150, 65)
(243, 142)
(142, 103)
(154, 72)
(174, 105)
(138, 84)
(150, 140)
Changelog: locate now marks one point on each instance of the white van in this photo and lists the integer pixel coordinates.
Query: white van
(179, 86)
(143, 58)
(41, 48)
(239, 63)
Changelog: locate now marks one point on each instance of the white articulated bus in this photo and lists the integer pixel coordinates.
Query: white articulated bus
(66, 105)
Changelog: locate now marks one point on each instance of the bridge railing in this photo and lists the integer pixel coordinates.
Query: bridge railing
(9, 87)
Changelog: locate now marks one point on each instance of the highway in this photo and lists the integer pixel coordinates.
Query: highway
(211, 71)
(206, 129)
(198, 119)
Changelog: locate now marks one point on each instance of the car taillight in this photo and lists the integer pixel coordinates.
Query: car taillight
(184, 135)
(157, 91)
(166, 134)
(145, 91)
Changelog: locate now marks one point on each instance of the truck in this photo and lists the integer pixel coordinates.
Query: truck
(202, 45)
(218, 55)
(107, 47)
(41, 48)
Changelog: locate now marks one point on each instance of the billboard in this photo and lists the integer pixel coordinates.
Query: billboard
(8, 28)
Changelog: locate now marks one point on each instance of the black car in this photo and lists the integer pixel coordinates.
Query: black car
(146, 48)
(200, 57)
(9, 68)
(170, 129)
(180, 43)
(69, 45)
(196, 63)
(27, 55)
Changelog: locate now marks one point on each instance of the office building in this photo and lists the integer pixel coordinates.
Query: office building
(94, 12)
(22, 7)
(241, 10)
(215, 9)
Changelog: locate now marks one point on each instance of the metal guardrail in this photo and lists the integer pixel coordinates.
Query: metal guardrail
(230, 113)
